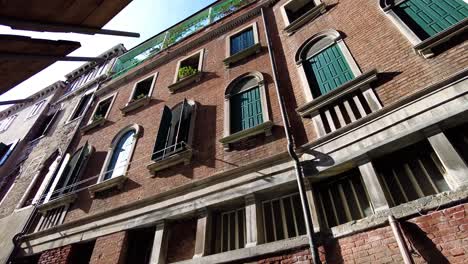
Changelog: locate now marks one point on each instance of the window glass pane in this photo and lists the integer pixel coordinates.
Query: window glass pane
(242, 41)
(120, 156)
(278, 220)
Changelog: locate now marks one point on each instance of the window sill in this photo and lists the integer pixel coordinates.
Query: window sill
(425, 47)
(242, 55)
(184, 156)
(107, 184)
(185, 81)
(304, 19)
(55, 203)
(265, 127)
(92, 125)
(359, 82)
(135, 104)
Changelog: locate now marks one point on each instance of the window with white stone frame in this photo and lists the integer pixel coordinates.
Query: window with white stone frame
(174, 139)
(242, 44)
(427, 23)
(297, 13)
(5, 124)
(342, 199)
(81, 106)
(189, 70)
(102, 109)
(245, 109)
(141, 93)
(45, 125)
(411, 173)
(283, 218)
(230, 230)
(336, 91)
(36, 108)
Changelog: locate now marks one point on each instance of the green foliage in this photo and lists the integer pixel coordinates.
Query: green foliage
(186, 72)
(97, 117)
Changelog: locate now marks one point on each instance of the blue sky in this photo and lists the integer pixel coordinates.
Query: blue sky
(147, 17)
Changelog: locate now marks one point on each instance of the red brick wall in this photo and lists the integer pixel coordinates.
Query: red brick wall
(209, 155)
(375, 43)
(56, 256)
(438, 237)
(110, 249)
(181, 245)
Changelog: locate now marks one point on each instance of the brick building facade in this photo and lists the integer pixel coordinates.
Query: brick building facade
(182, 156)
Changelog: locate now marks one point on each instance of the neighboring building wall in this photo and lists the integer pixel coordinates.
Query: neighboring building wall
(56, 256)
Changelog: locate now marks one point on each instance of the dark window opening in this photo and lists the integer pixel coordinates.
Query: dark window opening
(143, 89)
(45, 125)
(458, 136)
(5, 151)
(7, 181)
(188, 67)
(229, 230)
(298, 8)
(40, 179)
(81, 253)
(101, 109)
(174, 129)
(81, 106)
(140, 245)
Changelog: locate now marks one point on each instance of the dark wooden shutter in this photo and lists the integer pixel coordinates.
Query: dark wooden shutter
(162, 138)
(72, 171)
(330, 69)
(184, 127)
(429, 17)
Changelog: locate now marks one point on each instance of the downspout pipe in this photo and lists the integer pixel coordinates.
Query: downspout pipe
(291, 151)
(400, 240)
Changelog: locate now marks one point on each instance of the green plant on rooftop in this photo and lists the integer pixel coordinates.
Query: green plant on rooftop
(176, 34)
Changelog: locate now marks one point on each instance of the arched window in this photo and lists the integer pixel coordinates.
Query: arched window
(326, 62)
(120, 153)
(246, 111)
(421, 20)
(336, 91)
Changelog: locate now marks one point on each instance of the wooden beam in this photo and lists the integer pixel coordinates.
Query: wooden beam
(52, 27)
(26, 56)
(15, 101)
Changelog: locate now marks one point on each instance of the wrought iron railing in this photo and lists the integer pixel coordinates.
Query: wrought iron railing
(176, 34)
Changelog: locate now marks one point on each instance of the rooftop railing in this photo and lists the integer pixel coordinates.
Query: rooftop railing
(176, 34)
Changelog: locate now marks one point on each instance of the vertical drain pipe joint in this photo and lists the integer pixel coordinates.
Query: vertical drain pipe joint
(394, 224)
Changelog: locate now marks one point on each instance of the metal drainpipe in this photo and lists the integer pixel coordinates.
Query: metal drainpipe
(292, 153)
(400, 240)
(17, 238)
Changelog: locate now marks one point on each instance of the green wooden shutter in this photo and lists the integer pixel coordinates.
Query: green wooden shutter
(246, 110)
(432, 16)
(161, 139)
(330, 69)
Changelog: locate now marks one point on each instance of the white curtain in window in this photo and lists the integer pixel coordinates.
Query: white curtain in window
(120, 156)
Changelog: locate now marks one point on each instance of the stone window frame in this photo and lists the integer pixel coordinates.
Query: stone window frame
(113, 96)
(75, 108)
(36, 108)
(133, 104)
(421, 47)
(336, 38)
(116, 181)
(150, 93)
(179, 83)
(291, 27)
(267, 124)
(232, 58)
(5, 124)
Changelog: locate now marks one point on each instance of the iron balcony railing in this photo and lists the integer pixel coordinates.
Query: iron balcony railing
(176, 34)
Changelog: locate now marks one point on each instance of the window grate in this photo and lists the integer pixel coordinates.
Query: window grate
(283, 218)
(233, 230)
(343, 200)
(411, 173)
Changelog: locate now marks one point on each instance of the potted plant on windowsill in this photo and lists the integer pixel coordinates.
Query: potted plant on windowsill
(186, 75)
(96, 120)
(136, 102)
